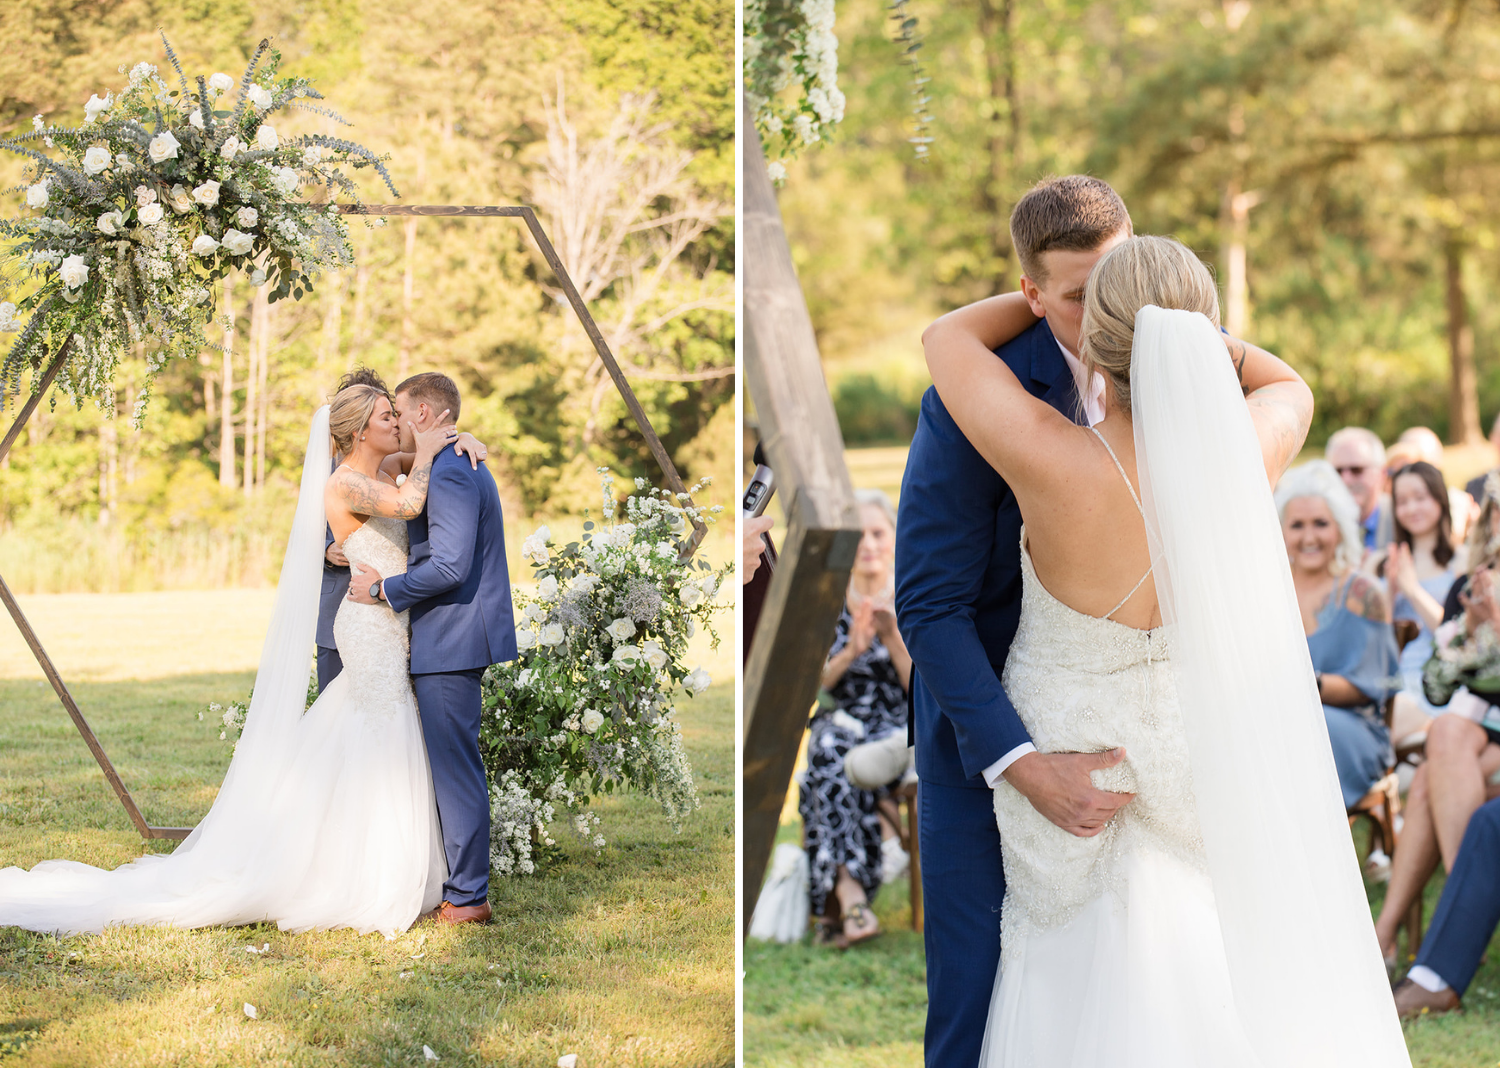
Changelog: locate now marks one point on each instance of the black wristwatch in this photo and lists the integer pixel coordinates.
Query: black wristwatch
(375, 591)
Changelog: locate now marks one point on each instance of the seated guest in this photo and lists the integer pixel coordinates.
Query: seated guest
(1422, 443)
(1419, 569)
(1358, 456)
(1346, 617)
(1462, 756)
(1463, 924)
(866, 676)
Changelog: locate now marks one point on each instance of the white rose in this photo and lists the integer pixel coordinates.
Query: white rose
(259, 96)
(72, 296)
(265, 138)
(144, 195)
(691, 595)
(111, 222)
(547, 588)
(74, 272)
(36, 195)
(552, 634)
(621, 629)
(626, 654)
(236, 243)
(583, 583)
(203, 245)
(96, 159)
(222, 82)
(692, 627)
(195, 118)
(231, 147)
(257, 277)
(696, 681)
(525, 639)
(8, 322)
(654, 655)
(162, 147)
(312, 155)
(533, 613)
(122, 161)
(207, 194)
(285, 180)
(247, 217)
(710, 586)
(95, 105)
(592, 720)
(179, 199)
(150, 215)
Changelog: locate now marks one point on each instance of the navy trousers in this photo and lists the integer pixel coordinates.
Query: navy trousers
(1470, 906)
(963, 887)
(450, 705)
(330, 665)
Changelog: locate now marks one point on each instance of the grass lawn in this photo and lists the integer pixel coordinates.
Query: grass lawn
(624, 960)
(810, 1007)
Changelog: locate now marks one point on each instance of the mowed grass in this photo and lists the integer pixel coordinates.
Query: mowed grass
(623, 959)
(808, 1006)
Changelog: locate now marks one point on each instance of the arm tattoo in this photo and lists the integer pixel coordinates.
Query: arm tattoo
(1284, 419)
(368, 496)
(1367, 600)
(1237, 354)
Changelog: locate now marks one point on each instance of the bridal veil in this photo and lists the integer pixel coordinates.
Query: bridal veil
(1306, 970)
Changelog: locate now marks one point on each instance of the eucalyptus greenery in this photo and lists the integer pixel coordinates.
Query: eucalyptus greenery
(155, 198)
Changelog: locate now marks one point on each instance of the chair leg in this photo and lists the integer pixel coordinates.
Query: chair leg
(914, 869)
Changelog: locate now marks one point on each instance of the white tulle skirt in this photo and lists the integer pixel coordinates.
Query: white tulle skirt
(348, 837)
(1136, 979)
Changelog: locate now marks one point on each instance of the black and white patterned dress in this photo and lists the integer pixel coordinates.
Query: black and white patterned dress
(839, 822)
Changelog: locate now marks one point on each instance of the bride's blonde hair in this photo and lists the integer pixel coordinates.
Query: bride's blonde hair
(349, 413)
(1137, 272)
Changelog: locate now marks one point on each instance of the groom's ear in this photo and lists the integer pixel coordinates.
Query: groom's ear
(1033, 294)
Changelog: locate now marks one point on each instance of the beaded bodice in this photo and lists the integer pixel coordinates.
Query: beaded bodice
(1085, 684)
(374, 642)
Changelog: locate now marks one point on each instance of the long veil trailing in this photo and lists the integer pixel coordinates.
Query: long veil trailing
(221, 872)
(1305, 966)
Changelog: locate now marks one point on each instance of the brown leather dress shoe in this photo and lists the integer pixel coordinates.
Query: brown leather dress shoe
(1413, 1000)
(448, 912)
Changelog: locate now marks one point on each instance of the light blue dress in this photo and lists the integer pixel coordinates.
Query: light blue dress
(1364, 652)
(1419, 649)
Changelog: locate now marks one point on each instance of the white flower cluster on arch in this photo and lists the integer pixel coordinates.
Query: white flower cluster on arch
(159, 194)
(790, 45)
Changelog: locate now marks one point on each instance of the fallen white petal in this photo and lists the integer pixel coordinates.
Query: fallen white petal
(418, 956)
(568, 1060)
(250, 1011)
(427, 1054)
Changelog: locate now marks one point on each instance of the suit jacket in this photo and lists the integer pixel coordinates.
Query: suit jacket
(958, 577)
(457, 583)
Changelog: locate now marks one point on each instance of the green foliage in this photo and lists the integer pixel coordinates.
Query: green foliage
(872, 411)
(1363, 133)
(458, 95)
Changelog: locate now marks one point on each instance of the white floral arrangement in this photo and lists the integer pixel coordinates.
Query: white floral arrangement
(159, 194)
(790, 44)
(1460, 659)
(586, 708)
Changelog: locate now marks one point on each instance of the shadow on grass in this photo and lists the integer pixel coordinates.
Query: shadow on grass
(623, 958)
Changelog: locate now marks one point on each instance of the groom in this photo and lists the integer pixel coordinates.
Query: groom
(457, 586)
(958, 599)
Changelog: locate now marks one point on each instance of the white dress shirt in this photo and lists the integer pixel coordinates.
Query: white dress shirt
(1093, 411)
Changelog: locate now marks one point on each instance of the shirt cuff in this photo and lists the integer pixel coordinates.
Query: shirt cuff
(994, 771)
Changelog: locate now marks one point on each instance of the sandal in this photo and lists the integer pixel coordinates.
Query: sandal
(866, 926)
(828, 933)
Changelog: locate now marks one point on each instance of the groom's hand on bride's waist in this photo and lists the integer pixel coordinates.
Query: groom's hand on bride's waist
(1059, 787)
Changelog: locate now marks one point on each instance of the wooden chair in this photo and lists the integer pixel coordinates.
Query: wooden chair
(905, 796)
(1382, 804)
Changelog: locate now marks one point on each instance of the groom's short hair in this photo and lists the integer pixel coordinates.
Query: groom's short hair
(1075, 213)
(436, 389)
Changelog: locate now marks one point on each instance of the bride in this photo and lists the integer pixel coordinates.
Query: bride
(325, 819)
(1218, 918)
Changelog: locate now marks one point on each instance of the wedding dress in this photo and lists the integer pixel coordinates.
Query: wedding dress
(1218, 918)
(325, 819)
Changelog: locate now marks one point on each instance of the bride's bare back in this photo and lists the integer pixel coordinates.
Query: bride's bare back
(1084, 530)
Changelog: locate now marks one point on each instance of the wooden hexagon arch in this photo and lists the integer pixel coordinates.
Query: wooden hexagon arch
(601, 347)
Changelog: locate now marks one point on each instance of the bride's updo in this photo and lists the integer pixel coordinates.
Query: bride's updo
(1137, 272)
(349, 413)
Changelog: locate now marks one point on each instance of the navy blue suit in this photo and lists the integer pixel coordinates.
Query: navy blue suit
(335, 587)
(457, 588)
(1469, 909)
(958, 601)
